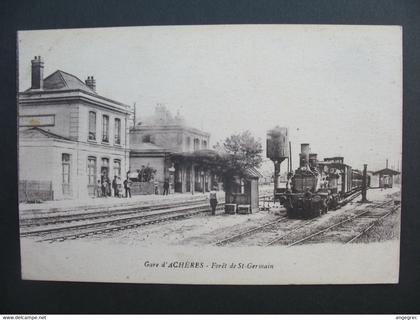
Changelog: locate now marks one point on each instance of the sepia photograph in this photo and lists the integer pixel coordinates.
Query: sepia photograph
(211, 154)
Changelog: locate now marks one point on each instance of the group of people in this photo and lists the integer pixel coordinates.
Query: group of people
(165, 188)
(106, 188)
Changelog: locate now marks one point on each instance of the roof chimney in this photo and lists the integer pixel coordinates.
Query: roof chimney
(37, 73)
(91, 82)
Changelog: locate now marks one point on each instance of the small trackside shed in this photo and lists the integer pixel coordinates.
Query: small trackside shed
(386, 177)
(241, 192)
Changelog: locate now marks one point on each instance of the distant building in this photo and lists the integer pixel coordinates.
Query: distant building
(167, 144)
(386, 177)
(167, 131)
(69, 136)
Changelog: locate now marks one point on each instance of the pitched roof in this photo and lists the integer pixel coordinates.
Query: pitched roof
(387, 171)
(60, 80)
(253, 173)
(36, 132)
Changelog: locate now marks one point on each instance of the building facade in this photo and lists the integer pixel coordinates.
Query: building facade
(69, 135)
(167, 144)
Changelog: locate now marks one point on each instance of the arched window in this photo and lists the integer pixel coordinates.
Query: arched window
(117, 168)
(105, 128)
(204, 144)
(91, 171)
(117, 131)
(196, 144)
(104, 169)
(65, 172)
(92, 125)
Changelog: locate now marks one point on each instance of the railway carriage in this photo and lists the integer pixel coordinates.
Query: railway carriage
(357, 179)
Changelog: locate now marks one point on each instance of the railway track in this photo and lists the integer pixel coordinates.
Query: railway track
(76, 232)
(112, 221)
(63, 219)
(249, 231)
(340, 227)
(365, 230)
(97, 215)
(270, 228)
(286, 234)
(350, 198)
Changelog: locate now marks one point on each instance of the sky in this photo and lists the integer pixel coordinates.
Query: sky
(338, 88)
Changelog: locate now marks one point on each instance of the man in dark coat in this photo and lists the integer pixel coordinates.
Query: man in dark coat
(213, 201)
(115, 186)
(127, 187)
(104, 185)
(166, 187)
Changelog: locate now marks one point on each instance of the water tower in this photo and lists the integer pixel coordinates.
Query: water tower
(277, 150)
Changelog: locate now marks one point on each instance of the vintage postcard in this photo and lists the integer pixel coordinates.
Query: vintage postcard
(224, 154)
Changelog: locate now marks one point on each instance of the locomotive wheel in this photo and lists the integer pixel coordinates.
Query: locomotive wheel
(325, 207)
(319, 210)
(316, 211)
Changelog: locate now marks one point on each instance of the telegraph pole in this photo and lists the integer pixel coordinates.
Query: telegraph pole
(364, 183)
(134, 115)
(290, 156)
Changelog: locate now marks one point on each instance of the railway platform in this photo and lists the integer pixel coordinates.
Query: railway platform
(65, 207)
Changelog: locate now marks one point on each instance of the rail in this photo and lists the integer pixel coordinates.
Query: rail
(122, 227)
(364, 231)
(300, 241)
(247, 232)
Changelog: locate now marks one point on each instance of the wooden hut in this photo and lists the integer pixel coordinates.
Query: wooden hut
(241, 193)
(386, 177)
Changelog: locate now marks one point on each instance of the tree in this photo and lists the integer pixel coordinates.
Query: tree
(146, 173)
(241, 151)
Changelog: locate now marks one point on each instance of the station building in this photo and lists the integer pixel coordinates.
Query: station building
(69, 136)
(386, 177)
(175, 150)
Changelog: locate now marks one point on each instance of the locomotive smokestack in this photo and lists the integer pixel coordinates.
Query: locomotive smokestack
(304, 148)
(313, 160)
(304, 154)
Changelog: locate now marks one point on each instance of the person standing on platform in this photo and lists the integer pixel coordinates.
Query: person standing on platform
(115, 186)
(108, 187)
(166, 188)
(98, 187)
(104, 185)
(119, 187)
(127, 187)
(213, 201)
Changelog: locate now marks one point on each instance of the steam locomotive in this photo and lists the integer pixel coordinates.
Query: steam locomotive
(318, 186)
